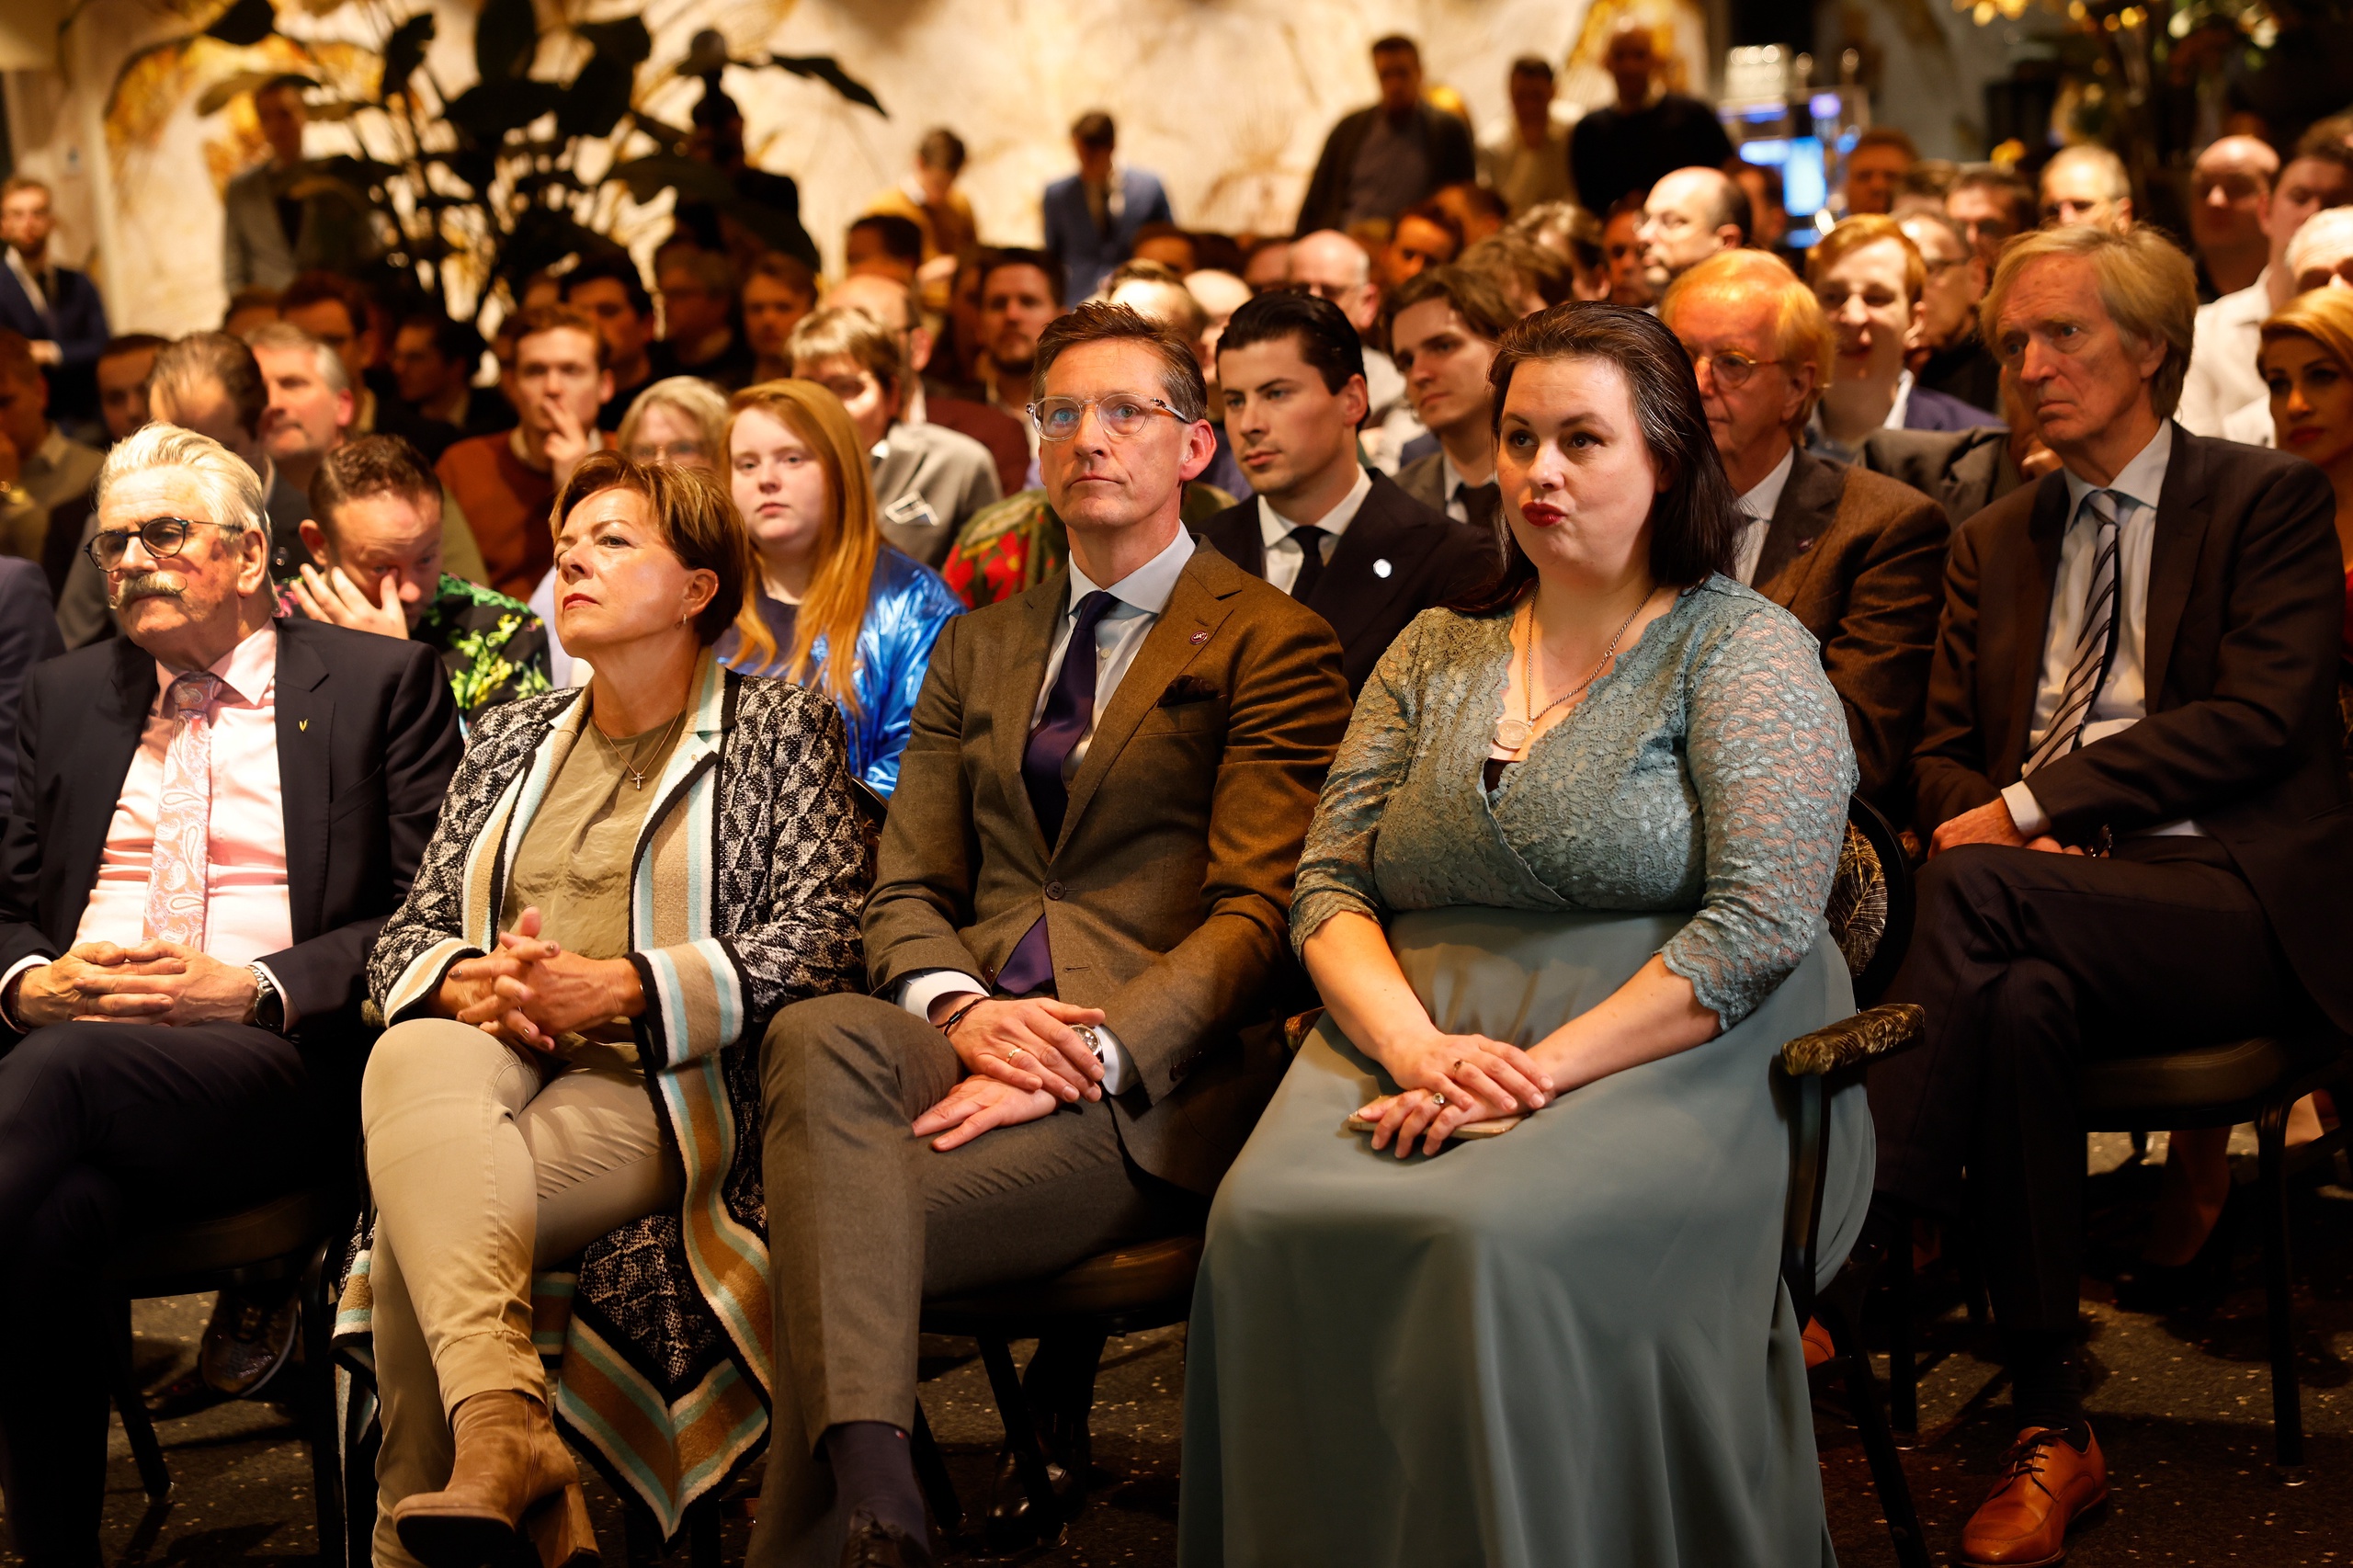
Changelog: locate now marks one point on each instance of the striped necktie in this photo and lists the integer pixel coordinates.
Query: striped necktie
(2095, 646)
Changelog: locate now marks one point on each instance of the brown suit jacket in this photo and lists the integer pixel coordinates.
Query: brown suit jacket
(1859, 559)
(2244, 619)
(1168, 896)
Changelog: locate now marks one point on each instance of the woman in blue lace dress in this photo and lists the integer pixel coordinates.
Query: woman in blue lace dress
(850, 616)
(1570, 866)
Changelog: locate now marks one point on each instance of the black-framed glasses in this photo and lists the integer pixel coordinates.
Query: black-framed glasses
(164, 536)
(1731, 370)
(1122, 413)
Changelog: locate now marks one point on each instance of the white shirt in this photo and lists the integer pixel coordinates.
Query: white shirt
(2123, 699)
(1142, 594)
(29, 280)
(1285, 554)
(2251, 425)
(2223, 348)
(1759, 503)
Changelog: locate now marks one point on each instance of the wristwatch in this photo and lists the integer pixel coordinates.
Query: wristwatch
(268, 1009)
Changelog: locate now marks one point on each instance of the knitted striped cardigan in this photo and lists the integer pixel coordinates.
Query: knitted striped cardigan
(747, 881)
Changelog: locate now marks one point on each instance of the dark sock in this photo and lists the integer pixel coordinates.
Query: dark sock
(874, 1473)
(2047, 1383)
(1887, 1225)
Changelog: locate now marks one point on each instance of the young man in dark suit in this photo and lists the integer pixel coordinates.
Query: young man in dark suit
(1078, 939)
(216, 813)
(2130, 780)
(56, 307)
(1858, 557)
(1343, 541)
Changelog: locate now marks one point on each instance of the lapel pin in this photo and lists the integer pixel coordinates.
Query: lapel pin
(1381, 568)
(1199, 638)
(301, 723)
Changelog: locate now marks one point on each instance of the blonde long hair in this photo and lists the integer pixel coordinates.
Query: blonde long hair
(849, 540)
(2324, 315)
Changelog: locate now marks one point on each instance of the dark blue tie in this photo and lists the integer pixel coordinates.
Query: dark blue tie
(1069, 710)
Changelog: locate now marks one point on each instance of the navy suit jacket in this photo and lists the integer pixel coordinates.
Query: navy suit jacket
(1932, 409)
(1087, 257)
(27, 635)
(77, 323)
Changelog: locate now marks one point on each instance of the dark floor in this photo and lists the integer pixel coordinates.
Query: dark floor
(2182, 1407)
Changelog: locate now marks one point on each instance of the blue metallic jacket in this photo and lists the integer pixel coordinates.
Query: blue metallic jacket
(904, 610)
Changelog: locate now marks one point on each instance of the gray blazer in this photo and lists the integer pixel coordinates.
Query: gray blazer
(256, 250)
(929, 481)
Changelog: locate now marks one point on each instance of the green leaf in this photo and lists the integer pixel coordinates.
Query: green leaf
(505, 36)
(404, 53)
(624, 40)
(597, 98)
(825, 69)
(244, 23)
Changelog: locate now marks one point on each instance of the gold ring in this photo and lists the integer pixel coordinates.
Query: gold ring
(1017, 1050)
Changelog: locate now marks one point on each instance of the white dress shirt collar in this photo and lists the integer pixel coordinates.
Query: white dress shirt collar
(1147, 588)
(1273, 529)
(32, 283)
(2139, 480)
(1761, 498)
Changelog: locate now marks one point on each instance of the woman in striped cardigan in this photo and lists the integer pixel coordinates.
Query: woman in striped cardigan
(627, 881)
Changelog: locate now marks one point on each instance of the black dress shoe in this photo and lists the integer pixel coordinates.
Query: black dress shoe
(873, 1544)
(2200, 1284)
(1013, 1523)
(250, 1338)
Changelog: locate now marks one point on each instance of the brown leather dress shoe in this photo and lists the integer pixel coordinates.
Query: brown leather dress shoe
(2045, 1486)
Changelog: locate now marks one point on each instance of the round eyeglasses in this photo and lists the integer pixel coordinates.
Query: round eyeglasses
(164, 536)
(1121, 414)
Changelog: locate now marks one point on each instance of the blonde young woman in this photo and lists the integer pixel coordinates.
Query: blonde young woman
(828, 582)
(629, 880)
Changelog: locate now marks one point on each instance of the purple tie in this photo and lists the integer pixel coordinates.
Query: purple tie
(1069, 710)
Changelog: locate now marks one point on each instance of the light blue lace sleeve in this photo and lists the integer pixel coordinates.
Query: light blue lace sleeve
(1336, 873)
(1769, 755)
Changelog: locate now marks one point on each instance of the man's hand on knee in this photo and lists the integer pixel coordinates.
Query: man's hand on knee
(976, 1105)
(1029, 1045)
(1988, 824)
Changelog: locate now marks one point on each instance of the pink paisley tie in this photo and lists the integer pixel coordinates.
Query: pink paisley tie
(177, 871)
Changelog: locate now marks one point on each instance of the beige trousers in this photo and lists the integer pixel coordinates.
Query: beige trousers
(482, 1170)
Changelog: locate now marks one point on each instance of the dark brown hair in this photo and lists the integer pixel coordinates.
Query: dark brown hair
(1695, 519)
(696, 517)
(1470, 294)
(203, 357)
(1099, 321)
(372, 465)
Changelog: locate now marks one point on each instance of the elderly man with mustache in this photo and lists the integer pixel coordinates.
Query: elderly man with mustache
(215, 815)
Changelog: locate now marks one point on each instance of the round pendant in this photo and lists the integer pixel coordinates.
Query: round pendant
(1512, 733)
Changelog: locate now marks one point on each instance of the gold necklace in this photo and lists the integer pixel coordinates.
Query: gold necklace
(1513, 734)
(634, 765)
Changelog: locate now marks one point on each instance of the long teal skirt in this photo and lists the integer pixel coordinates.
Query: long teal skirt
(1566, 1347)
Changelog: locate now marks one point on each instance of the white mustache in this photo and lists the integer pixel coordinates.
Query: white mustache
(146, 586)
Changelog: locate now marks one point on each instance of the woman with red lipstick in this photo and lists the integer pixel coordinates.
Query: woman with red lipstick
(1564, 884)
(628, 881)
(2307, 363)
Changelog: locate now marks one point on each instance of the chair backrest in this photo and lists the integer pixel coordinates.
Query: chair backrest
(871, 803)
(1870, 912)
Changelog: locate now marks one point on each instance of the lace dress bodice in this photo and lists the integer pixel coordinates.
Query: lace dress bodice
(1708, 771)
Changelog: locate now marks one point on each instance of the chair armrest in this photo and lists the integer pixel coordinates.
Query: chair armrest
(1298, 1026)
(1876, 1032)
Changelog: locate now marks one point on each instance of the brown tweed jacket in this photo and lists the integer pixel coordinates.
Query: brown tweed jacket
(1169, 897)
(1860, 560)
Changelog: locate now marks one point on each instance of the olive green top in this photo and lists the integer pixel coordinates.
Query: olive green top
(575, 857)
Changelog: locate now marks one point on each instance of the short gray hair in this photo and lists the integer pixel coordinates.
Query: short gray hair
(231, 490)
(286, 334)
(2326, 236)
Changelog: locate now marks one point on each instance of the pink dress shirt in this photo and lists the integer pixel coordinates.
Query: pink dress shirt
(247, 911)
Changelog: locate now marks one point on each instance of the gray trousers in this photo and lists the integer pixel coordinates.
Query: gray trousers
(866, 1219)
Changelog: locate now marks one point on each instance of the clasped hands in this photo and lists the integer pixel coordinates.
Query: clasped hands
(1021, 1057)
(1992, 824)
(530, 991)
(153, 981)
(1445, 1081)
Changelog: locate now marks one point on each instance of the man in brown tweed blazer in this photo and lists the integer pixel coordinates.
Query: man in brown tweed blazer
(1078, 941)
(1856, 556)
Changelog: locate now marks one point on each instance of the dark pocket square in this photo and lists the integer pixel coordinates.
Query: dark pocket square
(1187, 689)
